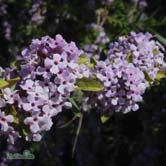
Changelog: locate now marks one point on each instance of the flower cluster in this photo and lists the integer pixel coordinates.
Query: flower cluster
(50, 72)
(140, 3)
(95, 49)
(107, 2)
(141, 50)
(132, 62)
(48, 75)
(124, 85)
(7, 30)
(3, 7)
(6, 118)
(37, 12)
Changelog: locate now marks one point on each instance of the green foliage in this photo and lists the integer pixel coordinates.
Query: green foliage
(83, 59)
(8, 83)
(161, 39)
(3, 83)
(161, 75)
(104, 118)
(15, 114)
(74, 103)
(89, 84)
(147, 77)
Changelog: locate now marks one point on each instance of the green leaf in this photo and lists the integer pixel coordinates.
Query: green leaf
(93, 61)
(15, 114)
(13, 81)
(3, 83)
(129, 58)
(77, 96)
(83, 59)
(147, 77)
(104, 118)
(24, 132)
(15, 63)
(89, 84)
(8, 83)
(155, 52)
(161, 75)
(74, 103)
(78, 114)
(161, 39)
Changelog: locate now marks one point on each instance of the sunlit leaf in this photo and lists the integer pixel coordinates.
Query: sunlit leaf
(89, 84)
(13, 81)
(8, 83)
(3, 83)
(161, 75)
(83, 59)
(104, 118)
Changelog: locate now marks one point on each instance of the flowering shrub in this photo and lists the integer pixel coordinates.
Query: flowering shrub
(116, 66)
(51, 70)
(48, 73)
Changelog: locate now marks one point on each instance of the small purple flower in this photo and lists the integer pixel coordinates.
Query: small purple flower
(5, 121)
(8, 95)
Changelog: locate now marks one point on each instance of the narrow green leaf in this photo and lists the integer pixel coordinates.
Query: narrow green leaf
(93, 61)
(8, 83)
(147, 77)
(15, 114)
(74, 103)
(89, 84)
(24, 132)
(129, 58)
(3, 83)
(161, 39)
(13, 81)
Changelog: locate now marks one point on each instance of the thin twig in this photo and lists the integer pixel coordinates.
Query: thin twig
(68, 123)
(77, 134)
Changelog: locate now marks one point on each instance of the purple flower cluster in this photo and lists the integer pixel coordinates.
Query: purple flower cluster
(48, 73)
(7, 27)
(3, 7)
(139, 49)
(7, 30)
(37, 12)
(124, 85)
(124, 72)
(95, 49)
(6, 118)
(107, 2)
(140, 3)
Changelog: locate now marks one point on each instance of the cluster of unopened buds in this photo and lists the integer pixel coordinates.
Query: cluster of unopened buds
(51, 70)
